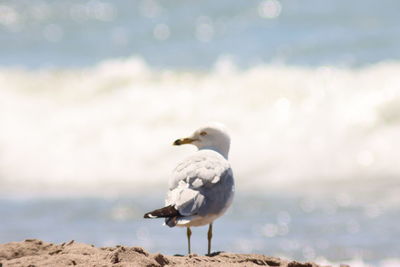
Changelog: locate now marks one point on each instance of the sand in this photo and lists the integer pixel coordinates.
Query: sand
(33, 252)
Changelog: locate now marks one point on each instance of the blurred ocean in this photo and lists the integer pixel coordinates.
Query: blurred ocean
(188, 35)
(92, 94)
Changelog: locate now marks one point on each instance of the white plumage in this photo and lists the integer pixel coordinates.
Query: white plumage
(202, 186)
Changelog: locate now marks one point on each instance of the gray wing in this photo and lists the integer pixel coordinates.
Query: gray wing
(202, 184)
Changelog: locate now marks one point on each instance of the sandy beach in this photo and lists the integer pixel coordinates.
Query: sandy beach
(34, 252)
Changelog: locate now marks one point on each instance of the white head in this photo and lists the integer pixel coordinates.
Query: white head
(214, 137)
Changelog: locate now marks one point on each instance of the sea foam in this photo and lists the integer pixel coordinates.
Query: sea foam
(112, 125)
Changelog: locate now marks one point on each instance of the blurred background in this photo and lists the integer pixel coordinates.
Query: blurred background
(93, 93)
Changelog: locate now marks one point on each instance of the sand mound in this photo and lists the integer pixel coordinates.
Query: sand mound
(33, 252)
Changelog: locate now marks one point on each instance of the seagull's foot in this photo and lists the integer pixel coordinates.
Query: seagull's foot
(213, 254)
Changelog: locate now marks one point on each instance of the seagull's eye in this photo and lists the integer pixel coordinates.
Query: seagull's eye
(203, 133)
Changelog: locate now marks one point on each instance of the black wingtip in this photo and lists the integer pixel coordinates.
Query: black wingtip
(165, 212)
(148, 215)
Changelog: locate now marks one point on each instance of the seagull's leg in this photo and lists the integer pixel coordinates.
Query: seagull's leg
(209, 236)
(188, 233)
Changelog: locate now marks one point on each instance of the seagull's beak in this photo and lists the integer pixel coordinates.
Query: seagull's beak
(183, 141)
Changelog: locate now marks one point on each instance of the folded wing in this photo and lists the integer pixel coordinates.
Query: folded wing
(201, 185)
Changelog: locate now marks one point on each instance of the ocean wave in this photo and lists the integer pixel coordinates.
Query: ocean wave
(112, 125)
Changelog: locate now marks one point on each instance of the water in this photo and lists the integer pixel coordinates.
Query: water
(304, 227)
(179, 34)
(93, 94)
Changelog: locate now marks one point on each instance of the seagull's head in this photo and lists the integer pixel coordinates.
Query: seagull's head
(214, 137)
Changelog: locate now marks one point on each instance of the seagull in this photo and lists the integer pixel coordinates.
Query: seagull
(201, 188)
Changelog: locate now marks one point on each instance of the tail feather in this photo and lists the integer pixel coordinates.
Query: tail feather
(165, 212)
